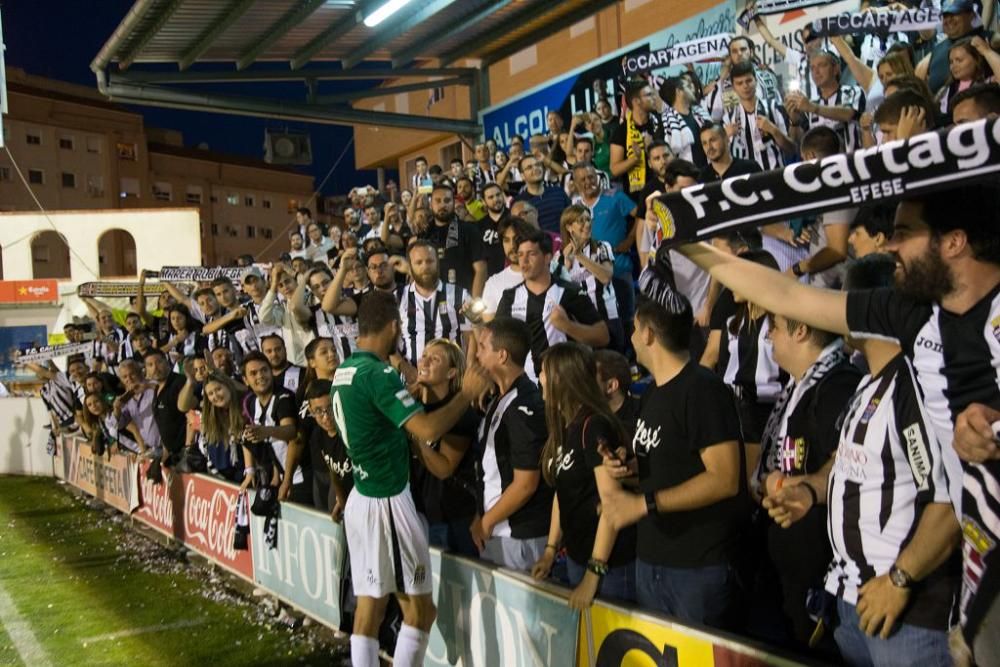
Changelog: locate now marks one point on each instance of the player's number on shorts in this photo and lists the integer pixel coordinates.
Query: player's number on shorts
(338, 416)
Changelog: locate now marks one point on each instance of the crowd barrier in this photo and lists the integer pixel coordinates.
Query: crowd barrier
(487, 616)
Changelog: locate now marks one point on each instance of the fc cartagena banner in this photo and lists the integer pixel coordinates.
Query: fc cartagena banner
(198, 511)
(856, 23)
(787, 25)
(488, 617)
(573, 92)
(306, 569)
(928, 162)
(618, 637)
(113, 480)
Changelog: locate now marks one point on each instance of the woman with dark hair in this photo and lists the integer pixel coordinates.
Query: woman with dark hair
(321, 363)
(747, 365)
(582, 429)
(443, 476)
(970, 61)
(185, 334)
(590, 263)
(99, 423)
(222, 424)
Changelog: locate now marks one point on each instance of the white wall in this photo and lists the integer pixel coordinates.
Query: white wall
(22, 438)
(162, 237)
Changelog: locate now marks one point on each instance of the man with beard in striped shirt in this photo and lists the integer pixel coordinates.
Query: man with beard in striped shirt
(945, 313)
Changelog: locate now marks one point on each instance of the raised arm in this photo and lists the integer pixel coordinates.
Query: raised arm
(863, 74)
(769, 37)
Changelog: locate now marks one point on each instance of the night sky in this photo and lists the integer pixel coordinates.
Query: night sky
(59, 38)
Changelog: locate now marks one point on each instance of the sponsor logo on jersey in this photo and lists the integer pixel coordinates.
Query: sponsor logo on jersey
(405, 398)
(344, 376)
(917, 454)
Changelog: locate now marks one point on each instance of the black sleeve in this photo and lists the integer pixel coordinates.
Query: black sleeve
(619, 138)
(525, 423)
(578, 306)
(473, 243)
(596, 431)
(506, 302)
(724, 423)
(284, 406)
(723, 309)
(886, 312)
(468, 425)
(832, 397)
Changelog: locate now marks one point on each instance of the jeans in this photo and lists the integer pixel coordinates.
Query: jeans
(702, 595)
(625, 295)
(617, 585)
(518, 554)
(908, 644)
(453, 536)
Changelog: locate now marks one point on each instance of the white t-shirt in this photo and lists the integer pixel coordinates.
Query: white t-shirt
(497, 284)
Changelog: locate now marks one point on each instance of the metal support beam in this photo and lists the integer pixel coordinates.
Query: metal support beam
(235, 10)
(391, 90)
(141, 40)
(255, 76)
(292, 18)
(477, 42)
(585, 11)
(339, 28)
(252, 106)
(395, 29)
(406, 57)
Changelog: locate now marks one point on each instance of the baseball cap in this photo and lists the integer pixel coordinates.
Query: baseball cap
(957, 6)
(253, 273)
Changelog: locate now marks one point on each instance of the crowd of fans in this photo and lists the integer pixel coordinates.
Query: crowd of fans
(777, 477)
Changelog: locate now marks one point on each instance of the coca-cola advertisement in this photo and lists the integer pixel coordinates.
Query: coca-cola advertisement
(199, 511)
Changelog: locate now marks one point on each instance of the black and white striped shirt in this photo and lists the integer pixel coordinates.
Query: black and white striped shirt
(108, 348)
(957, 360)
(747, 362)
(749, 142)
(535, 310)
(888, 467)
(278, 407)
(601, 295)
(678, 134)
(723, 96)
(60, 397)
(845, 96)
(423, 318)
(343, 330)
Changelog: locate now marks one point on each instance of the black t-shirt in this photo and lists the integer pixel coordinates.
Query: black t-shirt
(738, 167)
(457, 254)
(330, 453)
(653, 127)
(577, 492)
(492, 244)
(724, 308)
(628, 415)
(452, 499)
(169, 420)
(674, 426)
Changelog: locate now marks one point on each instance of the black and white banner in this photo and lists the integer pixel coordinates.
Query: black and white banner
(713, 47)
(42, 354)
(110, 290)
(203, 273)
(856, 23)
(766, 7)
(931, 161)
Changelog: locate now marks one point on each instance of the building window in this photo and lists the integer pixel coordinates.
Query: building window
(68, 180)
(163, 191)
(267, 233)
(213, 199)
(293, 205)
(93, 144)
(95, 185)
(194, 195)
(66, 143)
(215, 229)
(233, 200)
(34, 138)
(36, 177)
(251, 232)
(129, 188)
(126, 152)
(249, 201)
(266, 203)
(4, 174)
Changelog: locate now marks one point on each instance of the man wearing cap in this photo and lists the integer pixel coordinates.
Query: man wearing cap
(252, 330)
(958, 21)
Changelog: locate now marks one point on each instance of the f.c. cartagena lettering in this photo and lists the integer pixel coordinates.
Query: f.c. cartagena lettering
(925, 163)
(854, 23)
(693, 51)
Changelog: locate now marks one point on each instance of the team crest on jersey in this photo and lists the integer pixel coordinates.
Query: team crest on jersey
(419, 575)
(995, 323)
(793, 454)
(870, 410)
(977, 538)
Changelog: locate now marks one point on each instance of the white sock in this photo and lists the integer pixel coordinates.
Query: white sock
(411, 645)
(364, 651)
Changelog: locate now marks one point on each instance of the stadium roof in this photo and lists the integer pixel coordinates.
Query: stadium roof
(321, 40)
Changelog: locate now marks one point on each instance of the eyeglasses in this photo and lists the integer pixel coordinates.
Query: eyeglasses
(321, 412)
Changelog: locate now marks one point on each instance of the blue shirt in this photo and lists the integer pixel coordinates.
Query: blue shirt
(550, 205)
(610, 216)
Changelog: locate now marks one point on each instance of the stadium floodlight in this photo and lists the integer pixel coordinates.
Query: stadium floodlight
(384, 12)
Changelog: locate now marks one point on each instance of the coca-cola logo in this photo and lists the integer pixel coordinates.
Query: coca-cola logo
(156, 503)
(210, 520)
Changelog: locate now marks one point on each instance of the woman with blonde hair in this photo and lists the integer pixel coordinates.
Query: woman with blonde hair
(443, 476)
(222, 424)
(582, 429)
(590, 263)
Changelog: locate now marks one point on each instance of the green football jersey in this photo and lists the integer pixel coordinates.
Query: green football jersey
(370, 406)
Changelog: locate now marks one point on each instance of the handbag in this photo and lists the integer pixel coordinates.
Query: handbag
(241, 534)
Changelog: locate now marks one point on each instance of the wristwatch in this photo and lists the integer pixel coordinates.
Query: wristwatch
(797, 269)
(651, 503)
(899, 577)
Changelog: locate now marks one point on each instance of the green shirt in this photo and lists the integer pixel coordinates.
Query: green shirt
(370, 406)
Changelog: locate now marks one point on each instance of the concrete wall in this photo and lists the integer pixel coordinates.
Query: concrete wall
(162, 237)
(22, 438)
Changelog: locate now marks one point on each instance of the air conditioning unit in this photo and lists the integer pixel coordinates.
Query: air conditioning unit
(287, 148)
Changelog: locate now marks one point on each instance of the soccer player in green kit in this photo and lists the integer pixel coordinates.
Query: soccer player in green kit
(386, 539)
